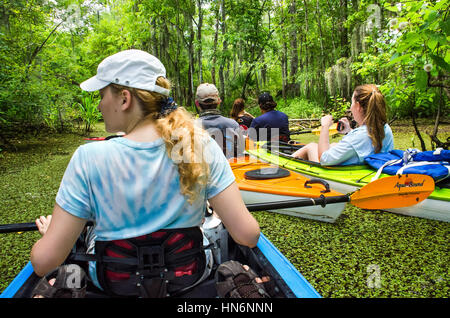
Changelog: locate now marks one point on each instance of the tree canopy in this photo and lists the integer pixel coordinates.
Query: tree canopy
(316, 50)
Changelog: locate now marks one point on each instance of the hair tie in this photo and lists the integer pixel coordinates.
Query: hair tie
(167, 107)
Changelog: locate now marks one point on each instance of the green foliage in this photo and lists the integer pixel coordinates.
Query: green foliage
(299, 108)
(251, 49)
(88, 110)
(408, 55)
(36, 66)
(338, 107)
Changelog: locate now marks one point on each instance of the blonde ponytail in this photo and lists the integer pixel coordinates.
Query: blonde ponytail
(183, 139)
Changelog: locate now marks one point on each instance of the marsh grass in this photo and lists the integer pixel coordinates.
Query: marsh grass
(410, 253)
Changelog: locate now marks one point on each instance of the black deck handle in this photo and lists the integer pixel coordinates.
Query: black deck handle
(319, 181)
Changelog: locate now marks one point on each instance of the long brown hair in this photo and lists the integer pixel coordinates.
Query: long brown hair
(374, 105)
(238, 106)
(176, 128)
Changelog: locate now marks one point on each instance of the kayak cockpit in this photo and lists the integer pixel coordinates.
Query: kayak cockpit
(264, 259)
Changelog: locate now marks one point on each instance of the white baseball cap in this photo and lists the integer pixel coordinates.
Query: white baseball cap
(131, 68)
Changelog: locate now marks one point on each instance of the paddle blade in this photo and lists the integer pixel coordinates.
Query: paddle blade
(393, 192)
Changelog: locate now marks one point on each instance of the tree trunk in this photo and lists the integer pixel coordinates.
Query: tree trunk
(178, 96)
(306, 54)
(199, 41)
(343, 29)
(322, 54)
(224, 49)
(216, 36)
(155, 50)
(190, 99)
(332, 35)
(438, 114)
(301, 52)
(284, 70)
(416, 129)
(320, 33)
(5, 19)
(164, 42)
(435, 142)
(293, 42)
(263, 71)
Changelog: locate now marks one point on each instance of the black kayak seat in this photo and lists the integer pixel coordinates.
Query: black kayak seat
(267, 173)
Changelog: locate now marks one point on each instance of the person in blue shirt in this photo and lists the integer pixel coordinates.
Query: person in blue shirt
(373, 134)
(145, 184)
(272, 124)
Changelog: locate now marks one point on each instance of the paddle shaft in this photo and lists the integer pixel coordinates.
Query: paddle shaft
(24, 227)
(322, 200)
(18, 227)
(387, 192)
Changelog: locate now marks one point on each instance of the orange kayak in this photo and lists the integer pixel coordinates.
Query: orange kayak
(261, 182)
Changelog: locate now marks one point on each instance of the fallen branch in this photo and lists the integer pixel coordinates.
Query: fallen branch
(438, 143)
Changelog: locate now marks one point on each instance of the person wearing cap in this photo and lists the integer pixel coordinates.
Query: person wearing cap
(224, 130)
(271, 121)
(136, 185)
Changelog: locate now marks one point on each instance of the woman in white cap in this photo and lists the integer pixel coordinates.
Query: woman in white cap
(143, 191)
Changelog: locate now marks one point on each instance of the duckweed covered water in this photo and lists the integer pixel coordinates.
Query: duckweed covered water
(363, 254)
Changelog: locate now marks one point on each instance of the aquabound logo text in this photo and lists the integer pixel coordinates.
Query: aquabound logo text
(409, 184)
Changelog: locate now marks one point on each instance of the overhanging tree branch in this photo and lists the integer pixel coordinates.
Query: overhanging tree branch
(38, 49)
(258, 56)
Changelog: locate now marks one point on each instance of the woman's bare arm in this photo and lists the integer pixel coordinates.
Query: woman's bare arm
(54, 247)
(324, 138)
(230, 208)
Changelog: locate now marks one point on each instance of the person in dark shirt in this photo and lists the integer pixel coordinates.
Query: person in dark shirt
(239, 114)
(272, 124)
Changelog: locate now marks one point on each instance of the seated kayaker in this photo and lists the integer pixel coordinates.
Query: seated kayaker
(373, 134)
(146, 192)
(239, 114)
(223, 130)
(272, 124)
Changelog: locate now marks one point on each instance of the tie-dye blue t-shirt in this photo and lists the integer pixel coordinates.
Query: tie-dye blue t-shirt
(132, 188)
